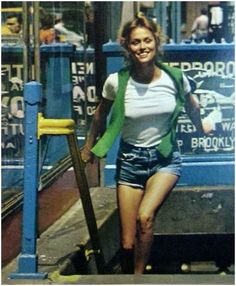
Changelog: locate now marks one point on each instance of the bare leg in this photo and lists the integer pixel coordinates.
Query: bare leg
(157, 188)
(128, 204)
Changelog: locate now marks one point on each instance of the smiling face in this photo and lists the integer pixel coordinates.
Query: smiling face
(142, 45)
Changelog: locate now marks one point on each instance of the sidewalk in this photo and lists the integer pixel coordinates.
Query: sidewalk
(64, 237)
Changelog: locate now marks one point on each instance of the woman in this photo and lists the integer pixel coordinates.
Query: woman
(145, 108)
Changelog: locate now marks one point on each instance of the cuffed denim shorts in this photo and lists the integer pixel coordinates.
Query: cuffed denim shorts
(135, 165)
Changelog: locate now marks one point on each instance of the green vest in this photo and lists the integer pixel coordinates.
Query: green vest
(165, 148)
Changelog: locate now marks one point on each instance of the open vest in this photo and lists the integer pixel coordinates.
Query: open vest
(165, 148)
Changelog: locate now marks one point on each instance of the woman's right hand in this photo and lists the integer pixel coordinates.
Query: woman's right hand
(86, 155)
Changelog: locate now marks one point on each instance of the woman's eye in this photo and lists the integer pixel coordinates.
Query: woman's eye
(148, 41)
(135, 43)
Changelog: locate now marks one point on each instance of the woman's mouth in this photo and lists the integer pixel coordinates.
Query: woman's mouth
(143, 55)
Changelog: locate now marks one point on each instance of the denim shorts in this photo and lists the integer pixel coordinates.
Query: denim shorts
(135, 165)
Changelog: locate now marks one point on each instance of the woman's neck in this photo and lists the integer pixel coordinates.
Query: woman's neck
(145, 74)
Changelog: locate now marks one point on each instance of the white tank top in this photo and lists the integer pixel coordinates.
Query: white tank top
(148, 108)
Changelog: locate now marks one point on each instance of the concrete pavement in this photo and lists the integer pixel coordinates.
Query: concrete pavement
(64, 238)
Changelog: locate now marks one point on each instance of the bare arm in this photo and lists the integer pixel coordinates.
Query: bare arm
(192, 108)
(97, 126)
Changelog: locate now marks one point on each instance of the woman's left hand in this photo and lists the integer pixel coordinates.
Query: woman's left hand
(207, 126)
(209, 122)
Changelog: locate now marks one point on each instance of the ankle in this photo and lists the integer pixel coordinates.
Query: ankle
(127, 260)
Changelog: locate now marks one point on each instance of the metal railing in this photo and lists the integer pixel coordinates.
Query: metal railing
(35, 127)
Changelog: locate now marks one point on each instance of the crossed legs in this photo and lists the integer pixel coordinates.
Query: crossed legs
(137, 210)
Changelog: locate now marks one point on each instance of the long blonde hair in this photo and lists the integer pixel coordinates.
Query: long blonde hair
(140, 21)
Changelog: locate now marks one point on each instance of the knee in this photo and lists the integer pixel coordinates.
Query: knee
(127, 244)
(127, 241)
(145, 222)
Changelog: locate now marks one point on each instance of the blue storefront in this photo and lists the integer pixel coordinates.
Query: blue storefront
(209, 159)
(69, 91)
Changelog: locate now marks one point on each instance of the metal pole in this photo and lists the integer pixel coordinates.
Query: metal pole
(85, 72)
(161, 15)
(86, 201)
(36, 41)
(136, 7)
(26, 43)
(28, 260)
(66, 127)
(176, 21)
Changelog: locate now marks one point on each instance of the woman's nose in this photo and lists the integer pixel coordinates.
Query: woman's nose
(142, 45)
